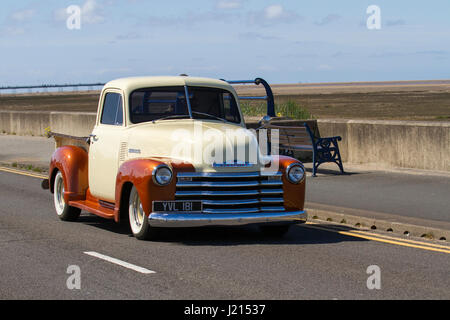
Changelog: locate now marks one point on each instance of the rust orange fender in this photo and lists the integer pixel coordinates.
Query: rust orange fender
(138, 172)
(294, 194)
(72, 161)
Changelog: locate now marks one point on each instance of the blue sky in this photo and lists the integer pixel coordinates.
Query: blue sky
(284, 41)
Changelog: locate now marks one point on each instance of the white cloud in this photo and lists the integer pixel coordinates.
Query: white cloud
(274, 11)
(23, 15)
(90, 12)
(272, 15)
(228, 4)
(17, 23)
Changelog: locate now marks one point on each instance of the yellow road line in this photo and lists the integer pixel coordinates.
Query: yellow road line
(24, 173)
(404, 240)
(404, 243)
(394, 238)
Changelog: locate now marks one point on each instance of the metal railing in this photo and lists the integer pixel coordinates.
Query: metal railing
(268, 97)
(53, 86)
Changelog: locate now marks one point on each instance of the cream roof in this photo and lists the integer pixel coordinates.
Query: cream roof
(133, 83)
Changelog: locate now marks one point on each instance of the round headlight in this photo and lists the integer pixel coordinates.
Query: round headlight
(162, 175)
(295, 173)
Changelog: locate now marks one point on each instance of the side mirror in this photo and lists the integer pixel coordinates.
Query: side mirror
(265, 120)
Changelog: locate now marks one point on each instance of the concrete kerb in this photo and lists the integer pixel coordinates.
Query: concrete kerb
(25, 166)
(390, 224)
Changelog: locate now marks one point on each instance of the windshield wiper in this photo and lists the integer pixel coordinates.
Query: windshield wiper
(209, 115)
(177, 116)
(173, 116)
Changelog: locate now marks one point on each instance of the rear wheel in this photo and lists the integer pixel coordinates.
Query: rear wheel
(138, 220)
(275, 231)
(63, 210)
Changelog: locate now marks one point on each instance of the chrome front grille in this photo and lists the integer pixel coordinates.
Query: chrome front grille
(228, 193)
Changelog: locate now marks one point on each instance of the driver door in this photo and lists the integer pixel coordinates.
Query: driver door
(106, 137)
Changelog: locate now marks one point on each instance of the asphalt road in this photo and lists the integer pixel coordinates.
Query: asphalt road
(36, 248)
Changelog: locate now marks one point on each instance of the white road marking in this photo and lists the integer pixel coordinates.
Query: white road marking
(119, 262)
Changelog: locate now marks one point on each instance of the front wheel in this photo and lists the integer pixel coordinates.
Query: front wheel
(63, 210)
(138, 220)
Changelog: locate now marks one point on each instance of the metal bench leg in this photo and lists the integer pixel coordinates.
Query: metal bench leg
(314, 165)
(339, 161)
(341, 167)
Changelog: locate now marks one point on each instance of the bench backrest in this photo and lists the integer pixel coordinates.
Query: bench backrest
(300, 135)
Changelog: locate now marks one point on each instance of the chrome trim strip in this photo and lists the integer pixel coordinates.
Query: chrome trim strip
(229, 202)
(219, 174)
(199, 220)
(271, 200)
(271, 174)
(217, 184)
(216, 193)
(270, 191)
(271, 183)
(272, 209)
(231, 211)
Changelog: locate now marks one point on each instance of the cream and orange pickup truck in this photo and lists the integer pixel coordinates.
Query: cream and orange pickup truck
(174, 152)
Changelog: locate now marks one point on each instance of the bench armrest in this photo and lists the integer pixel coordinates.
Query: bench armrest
(336, 138)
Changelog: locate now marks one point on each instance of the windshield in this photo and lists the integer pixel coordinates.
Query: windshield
(164, 103)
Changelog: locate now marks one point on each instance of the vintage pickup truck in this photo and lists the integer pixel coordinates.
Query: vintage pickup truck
(153, 159)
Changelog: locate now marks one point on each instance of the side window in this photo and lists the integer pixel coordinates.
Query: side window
(112, 113)
(230, 108)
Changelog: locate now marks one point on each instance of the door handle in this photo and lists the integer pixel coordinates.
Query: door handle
(92, 138)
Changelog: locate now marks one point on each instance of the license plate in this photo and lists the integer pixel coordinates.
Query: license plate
(174, 206)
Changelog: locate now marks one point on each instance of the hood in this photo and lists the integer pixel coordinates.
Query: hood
(210, 146)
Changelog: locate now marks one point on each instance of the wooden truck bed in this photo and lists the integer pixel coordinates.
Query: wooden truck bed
(67, 140)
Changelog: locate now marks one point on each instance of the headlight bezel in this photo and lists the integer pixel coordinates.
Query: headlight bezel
(288, 172)
(157, 180)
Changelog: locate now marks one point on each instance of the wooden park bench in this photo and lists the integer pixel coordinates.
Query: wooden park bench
(301, 138)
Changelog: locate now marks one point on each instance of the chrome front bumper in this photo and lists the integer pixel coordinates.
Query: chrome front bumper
(177, 220)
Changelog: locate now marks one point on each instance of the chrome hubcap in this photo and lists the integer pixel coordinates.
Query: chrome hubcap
(59, 194)
(137, 213)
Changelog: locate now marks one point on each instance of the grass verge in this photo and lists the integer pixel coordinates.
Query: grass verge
(289, 108)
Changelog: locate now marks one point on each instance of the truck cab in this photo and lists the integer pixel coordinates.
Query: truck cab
(175, 152)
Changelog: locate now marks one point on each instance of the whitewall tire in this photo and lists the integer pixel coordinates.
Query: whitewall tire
(138, 220)
(63, 210)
